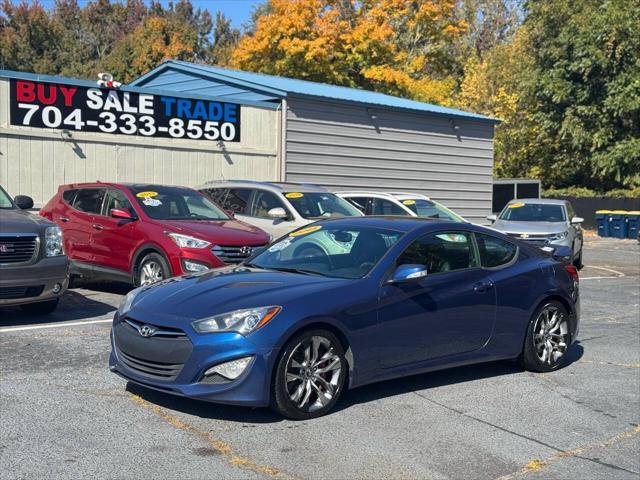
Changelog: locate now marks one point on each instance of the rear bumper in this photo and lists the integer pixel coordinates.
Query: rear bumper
(38, 281)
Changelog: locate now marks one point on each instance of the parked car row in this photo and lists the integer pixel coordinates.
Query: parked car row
(141, 233)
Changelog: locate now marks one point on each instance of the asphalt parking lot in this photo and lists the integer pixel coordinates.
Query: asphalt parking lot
(64, 415)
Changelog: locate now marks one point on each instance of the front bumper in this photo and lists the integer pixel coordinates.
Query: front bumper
(38, 281)
(251, 388)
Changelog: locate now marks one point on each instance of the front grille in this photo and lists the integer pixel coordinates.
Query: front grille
(229, 254)
(160, 356)
(159, 370)
(7, 293)
(18, 248)
(538, 240)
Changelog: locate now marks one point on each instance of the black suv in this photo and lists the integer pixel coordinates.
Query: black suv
(34, 269)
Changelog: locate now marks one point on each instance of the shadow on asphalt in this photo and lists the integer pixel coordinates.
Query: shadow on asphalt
(368, 393)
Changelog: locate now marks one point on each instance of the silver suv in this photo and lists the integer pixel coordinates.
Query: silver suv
(277, 208)
(35, 270)
(542, 222)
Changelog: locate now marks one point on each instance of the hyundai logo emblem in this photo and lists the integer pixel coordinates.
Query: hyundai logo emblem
(147, 330)
(246, 250)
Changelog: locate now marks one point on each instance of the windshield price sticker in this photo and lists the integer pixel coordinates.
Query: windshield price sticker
(409, 202)
(83, 109)
(516, 205)
(294, 195)
(147, 194)
(305, 231)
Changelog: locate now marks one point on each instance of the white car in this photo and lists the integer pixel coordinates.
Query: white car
(399, 203)
(277, 208)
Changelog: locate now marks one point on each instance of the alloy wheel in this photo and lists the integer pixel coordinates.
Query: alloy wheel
(550, 335)
(313, 373)
(151, 272)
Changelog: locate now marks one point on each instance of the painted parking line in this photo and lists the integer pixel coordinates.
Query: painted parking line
(616, 273)
(52, 325)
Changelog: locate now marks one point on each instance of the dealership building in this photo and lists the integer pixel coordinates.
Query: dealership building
(185, 124)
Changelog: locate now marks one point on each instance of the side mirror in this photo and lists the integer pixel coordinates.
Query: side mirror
(408, 272)
(577, 220)
(562, 252)
(23, 202)
(492, 218)
(277, 212)
(122, 213)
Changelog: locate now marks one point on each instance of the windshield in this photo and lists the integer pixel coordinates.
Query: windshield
(321, 205)
(5, 200)
(430, 209)
(533, 212)
(175, 203)
(340, 252)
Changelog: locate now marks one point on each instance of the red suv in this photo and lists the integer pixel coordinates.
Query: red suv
(142, 234)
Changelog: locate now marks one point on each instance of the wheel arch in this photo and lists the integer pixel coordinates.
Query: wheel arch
(141, 252)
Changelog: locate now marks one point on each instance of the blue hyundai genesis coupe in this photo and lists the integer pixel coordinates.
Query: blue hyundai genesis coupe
(343, 303)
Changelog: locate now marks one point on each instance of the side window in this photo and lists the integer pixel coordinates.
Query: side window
(386, 207)
(67, 196)
(359, 202)
(236, 200)
(89, 200)
(570, 212)
(495, 251)
(441, 252)
(117, 199)
(264, 201)
(218, 195)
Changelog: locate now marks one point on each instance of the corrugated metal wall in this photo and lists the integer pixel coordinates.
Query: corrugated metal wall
(342, 146)
(35, 161)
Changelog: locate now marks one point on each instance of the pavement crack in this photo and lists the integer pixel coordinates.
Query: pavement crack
(222, 448)
(498, 427)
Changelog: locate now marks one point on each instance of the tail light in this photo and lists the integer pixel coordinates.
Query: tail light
(573, 273)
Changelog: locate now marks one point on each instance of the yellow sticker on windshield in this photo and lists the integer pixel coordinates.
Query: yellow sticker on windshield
(294, 195)
(515, 205)
(147, 194)
(304, 231)
(409, 202)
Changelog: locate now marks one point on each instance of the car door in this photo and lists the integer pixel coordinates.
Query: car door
(78, 229)
(258, 213)
(575, 229)
(448, 312)
(114, 240)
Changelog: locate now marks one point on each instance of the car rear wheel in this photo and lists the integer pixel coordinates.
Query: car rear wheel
(41, 308)
(310, 375)
(548, 338)
(153, 268)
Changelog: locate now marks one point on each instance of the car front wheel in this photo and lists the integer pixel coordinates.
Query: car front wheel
(548, 338)
(153, 268)
(310, 375)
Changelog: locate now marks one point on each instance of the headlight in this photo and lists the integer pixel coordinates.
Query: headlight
(127, 302)
(185, 241)
(240, 321)
(54, 244)
(560, 236)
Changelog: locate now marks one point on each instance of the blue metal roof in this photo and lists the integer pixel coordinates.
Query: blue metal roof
(281, 87)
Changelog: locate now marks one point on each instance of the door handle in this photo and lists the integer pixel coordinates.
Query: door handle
(64, 219)
(98, 226)
(482, 287)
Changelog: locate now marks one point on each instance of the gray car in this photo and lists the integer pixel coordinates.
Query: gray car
(35, 270)
(542, 222)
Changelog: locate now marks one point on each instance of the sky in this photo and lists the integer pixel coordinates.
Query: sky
(238, 10)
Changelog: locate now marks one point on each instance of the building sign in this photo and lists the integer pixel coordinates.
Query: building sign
(71, 107)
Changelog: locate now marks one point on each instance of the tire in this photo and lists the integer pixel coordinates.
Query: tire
(151, 269)
(40, 308)
(313, 393)
(547, 339)
(577, 262)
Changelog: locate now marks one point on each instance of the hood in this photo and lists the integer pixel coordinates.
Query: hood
(219, 232)
(21, 221)
(532, 228)
(225, 289)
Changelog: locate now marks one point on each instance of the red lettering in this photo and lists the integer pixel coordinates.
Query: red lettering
(67, 93)
(53, 93)
(25, 91)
